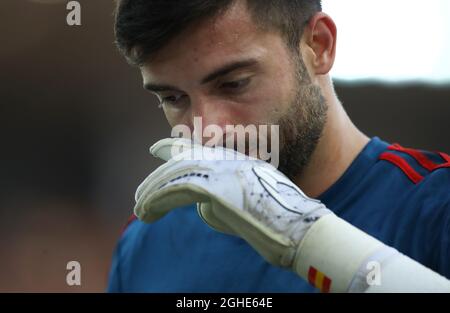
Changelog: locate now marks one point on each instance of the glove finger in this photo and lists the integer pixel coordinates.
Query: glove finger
(206, 213)
(184, 149)
(172, 173)
(157, 204)
(168, 148)
(172, 169)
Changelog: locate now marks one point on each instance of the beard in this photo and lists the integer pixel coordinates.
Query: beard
(301, 127)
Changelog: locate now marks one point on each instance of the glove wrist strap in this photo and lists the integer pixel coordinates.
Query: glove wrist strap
(332, 252)
(336, 256)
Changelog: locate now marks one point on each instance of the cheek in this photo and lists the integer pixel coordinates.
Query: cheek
(240, 114)
(176, 117)
(269, 103)
(171, 118)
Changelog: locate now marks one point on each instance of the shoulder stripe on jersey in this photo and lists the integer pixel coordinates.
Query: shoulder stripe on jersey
(422, 159)
(446, 157)
(445, 165)
(417, 155)
(403, 165)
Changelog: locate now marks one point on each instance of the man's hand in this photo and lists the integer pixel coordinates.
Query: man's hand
(245, 197)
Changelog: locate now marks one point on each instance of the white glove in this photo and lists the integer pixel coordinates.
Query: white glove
(248, 198)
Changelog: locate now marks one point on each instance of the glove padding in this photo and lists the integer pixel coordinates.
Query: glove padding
(235, 194)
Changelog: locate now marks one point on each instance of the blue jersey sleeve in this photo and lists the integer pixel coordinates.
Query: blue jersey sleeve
(437, 239)
(444, 247)
(115, 277)
(114, 274)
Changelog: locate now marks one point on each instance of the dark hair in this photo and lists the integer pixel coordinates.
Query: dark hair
(142, 27)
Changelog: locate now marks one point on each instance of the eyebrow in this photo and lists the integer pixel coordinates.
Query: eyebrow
(228, 68)
(159, 88)
(222, 71)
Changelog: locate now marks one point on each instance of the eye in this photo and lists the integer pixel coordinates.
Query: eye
(236, 85)
(172, 100)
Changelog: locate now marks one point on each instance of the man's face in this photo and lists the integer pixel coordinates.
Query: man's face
(229, 71)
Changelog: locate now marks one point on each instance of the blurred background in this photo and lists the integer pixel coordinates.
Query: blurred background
(76, 126)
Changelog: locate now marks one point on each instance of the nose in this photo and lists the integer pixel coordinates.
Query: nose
(209, 119)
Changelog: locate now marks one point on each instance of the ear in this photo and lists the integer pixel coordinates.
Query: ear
(320, 36)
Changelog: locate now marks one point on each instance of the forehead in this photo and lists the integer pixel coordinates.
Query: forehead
(210, 42)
